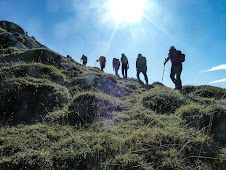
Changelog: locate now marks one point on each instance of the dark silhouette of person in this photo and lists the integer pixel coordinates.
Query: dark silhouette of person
(125, 65)
(176, 68)
(141, 67)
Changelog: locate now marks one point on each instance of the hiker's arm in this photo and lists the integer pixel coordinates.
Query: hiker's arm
(166, 60)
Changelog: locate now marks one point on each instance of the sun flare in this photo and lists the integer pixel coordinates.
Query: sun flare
(126, 10)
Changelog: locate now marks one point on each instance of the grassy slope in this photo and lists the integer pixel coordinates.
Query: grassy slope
(72, 124)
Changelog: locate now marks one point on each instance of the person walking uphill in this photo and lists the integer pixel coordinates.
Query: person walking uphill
(141, 66)
(116, 65)
(84, 59)
(125, 65)
(102, 61)
(176, 58)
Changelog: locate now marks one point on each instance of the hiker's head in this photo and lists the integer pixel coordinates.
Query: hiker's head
(172, 48)
(68, 56)
(139, 55)
(123, 54)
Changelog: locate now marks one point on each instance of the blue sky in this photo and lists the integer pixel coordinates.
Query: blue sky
(76, 27)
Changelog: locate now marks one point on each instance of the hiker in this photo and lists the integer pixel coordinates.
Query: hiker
(116, 65)
(125, 65)
(68, 56)
(84, 59)
(141, 67)
(102, 61)
(176, 58)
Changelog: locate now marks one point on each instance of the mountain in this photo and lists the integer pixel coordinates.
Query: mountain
(58, 114)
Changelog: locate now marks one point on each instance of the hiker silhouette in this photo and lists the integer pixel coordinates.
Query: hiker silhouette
(84, 59)
(68, 56)
(176, 58)
(141, 67)
(125, 65)
(116, 65)
(102, 61)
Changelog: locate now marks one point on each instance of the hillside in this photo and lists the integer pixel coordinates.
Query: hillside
(58, 114)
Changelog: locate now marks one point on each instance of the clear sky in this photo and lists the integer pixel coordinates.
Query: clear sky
(149, 27)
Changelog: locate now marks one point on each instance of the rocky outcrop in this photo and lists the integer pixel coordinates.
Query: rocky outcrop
(111, 88)
(13, 36)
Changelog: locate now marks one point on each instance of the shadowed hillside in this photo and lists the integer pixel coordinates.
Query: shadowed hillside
(58, 114)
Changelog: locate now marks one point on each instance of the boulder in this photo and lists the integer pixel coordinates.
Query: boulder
(14, 36)
(111, 88)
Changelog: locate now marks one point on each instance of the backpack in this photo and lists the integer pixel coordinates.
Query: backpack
(141, 63)
(85, 58)
(116, 62)
(102, 59)
(124, 60)
(178, 57)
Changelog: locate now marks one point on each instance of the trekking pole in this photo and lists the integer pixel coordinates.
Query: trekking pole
(163, 73)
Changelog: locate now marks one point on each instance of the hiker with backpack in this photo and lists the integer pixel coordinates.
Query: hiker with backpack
(125, 65)
(141, 67)
(177, 58)
(102, 61)
(68, 56)
(116, 65)
(84, 59)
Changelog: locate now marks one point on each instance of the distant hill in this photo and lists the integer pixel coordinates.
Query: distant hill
(58, 114)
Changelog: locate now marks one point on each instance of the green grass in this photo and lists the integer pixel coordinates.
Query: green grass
(28, 99)
(36, 70)
(200, 116)
(206, 91)
(56, 146)
(89, 106)
(2, 30)
(163, 100)
(42, 55)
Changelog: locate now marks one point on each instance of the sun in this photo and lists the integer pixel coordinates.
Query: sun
(129, 11)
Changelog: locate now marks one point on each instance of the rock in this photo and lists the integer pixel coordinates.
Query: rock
(18, 63)
(14, 36)
(20, 45)
(12, 27)
(111, 88)
(67, 66)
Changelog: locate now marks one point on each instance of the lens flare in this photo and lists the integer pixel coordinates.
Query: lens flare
(127, 10)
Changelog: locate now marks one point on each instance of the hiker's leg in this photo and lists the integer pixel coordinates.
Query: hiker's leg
(179, 83)
(102, 67)
(123, 70)
(126, 71)
(145, 77)
(117, 70)
(172, 74)
(138, 75)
